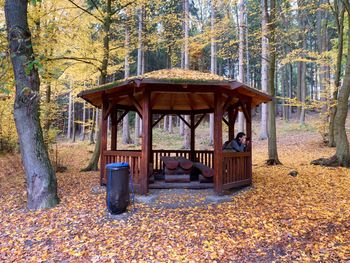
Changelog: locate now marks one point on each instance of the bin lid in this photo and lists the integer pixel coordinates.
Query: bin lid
(117, 165)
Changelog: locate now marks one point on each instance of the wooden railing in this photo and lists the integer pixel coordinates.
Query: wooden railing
(237, 166)
(236, 169)
(131, 157)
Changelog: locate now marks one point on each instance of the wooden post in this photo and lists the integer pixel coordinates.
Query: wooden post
(193, 131)
(146, 142)
(218, 160)
(249, 136)
(103, 141)
(114, 130)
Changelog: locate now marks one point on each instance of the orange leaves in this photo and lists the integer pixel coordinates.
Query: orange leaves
(281, 218)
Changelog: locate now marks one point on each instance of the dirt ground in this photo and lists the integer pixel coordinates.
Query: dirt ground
(281, 218)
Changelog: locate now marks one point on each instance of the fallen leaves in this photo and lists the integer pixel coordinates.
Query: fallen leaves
(303, 218)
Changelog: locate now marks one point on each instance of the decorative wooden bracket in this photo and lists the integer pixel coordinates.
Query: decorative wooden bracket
(122, 116)
(228, 100)
(188, 125)
(157, 121)
(245, 112)
(136, 104)
(199, 121)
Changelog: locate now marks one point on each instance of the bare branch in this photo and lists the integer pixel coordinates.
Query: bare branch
(121, 8)
(96, 6)
(86, 11)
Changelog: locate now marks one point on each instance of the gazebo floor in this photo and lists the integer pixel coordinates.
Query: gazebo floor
(161, 184)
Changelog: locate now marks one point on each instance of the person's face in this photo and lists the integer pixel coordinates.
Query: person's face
(243, 139)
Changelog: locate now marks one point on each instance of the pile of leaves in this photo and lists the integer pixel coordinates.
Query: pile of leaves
(281, 217)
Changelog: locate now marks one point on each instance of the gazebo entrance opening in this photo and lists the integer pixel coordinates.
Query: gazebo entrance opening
(180, 93)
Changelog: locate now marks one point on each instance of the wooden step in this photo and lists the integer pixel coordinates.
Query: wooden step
(177, 178)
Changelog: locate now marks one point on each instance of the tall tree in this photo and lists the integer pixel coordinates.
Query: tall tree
(241, 29)
(40, 176)
(126, 130)
(213, 63)
(187, 130)
(272, 137)
(264, 68)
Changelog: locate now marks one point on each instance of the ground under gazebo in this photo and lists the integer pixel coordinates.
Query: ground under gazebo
(177, 92)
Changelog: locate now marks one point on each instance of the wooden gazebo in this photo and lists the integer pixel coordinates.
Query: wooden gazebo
(179, 92)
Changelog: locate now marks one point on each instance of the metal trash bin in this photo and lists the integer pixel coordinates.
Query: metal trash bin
(117, 187)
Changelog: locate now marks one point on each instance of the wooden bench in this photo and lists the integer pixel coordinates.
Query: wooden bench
(206, 173)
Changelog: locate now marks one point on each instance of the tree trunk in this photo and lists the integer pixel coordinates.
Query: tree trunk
(40, 176)
(339, 13)
(272, 137)
(82, 134)
(126, 130)
(93, 164)
(170, 124)
(264, 70)
(69, 129)
(187, 143)
(212, 64)
(241, 28)
(91, 139)
(139, 71)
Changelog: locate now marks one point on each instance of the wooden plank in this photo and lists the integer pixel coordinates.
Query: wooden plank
(245, 182)
(136, 103)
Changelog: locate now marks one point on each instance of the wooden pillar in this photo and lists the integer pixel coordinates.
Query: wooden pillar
(103, 147)
(114, 130)
(146, 142)
(218, 160)
(193, 142)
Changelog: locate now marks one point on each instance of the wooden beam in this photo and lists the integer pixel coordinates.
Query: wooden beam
(199, 121)
(157, 121)
(122, 116)
(228, 100)
(153, 101)
(188, 125)
(135, 103)
(218, 157)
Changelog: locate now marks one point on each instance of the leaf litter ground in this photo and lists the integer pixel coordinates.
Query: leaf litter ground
(281, 218)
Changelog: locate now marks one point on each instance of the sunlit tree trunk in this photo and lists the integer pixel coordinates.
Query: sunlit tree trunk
(187, 131)
(82, 134)
(92, 131)
(264, 69)
(272, 136)
(40, 176)
(241, 29)
(126, 130)
(212, 64)
(69, 125)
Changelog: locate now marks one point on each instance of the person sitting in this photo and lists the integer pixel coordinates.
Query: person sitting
(238, 144)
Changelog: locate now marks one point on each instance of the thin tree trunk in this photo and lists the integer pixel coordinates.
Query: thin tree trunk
(92, 132)
(93, 164)
(40, 176)
(170, 124)
(241, 29)
(264, 70)
(69, 129)
(212, 64)
(187, 132)
(272, 136)
(82, 134)
(73, 121)
(126, 130)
